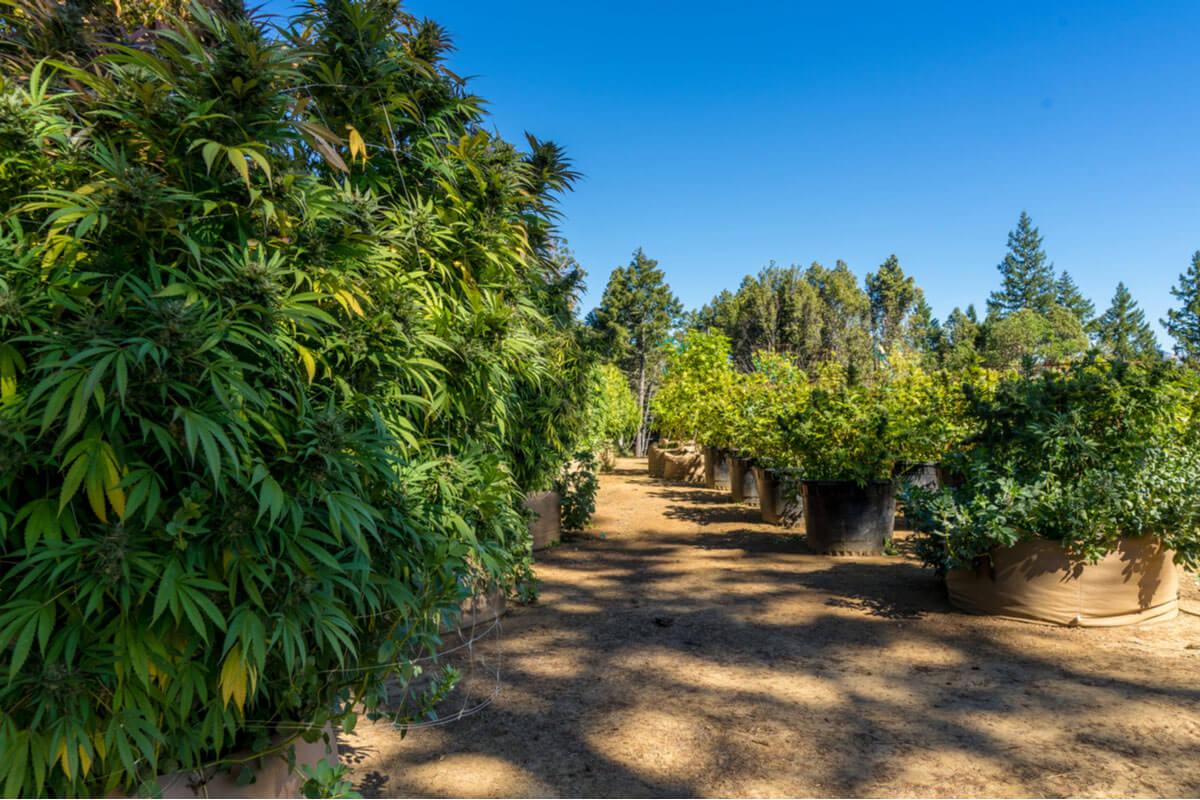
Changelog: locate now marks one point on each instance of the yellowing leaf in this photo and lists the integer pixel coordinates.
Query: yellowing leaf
(235, 678)
(310, 363)
(11, 364)
(358, 148)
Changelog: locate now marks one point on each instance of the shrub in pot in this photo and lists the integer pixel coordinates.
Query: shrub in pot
(693, 403)
(257, 433)
(928, 410)
(611, 418)
(1070, 470)
(844, 439)
(775, 392)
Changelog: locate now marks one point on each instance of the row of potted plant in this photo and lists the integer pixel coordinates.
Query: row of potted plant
(1096, 460)
(827, 443)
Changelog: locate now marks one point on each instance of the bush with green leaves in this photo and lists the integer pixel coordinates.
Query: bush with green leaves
(846, 431)
(613, 413)
(928, 407)
(697, 381)
(577, 486)
(772, 396)
(276, 314)
(1083, 456)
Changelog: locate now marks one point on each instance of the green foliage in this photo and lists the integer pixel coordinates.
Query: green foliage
(928, 408)
(960, 337)
(1050, 338)
(696, 383)
(613, 413)
(845, 315)
(924, 335)
(813, 316)
(1068, 296)
(1027, 277)
(768, 398)
(633, 319)
(276, 320)
(777, 310)
(1183, 323)
(846, 431)
(1082, 456)
(577, 486)
(892, 296)
(1122, 330)
(328, 781)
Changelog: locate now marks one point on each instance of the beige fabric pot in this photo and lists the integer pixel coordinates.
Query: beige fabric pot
(1036, 581)
(546, 527)
(654, 461)
(272, 778)
(478, 610)
(685, 466)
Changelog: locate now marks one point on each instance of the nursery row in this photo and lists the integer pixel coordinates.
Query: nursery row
(1096, 459)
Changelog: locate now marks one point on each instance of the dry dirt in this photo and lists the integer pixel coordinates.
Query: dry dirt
(681, 648)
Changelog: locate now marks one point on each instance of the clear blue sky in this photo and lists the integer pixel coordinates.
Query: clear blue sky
(720, 137)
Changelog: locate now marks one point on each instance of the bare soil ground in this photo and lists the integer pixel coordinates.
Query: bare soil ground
(681, 648)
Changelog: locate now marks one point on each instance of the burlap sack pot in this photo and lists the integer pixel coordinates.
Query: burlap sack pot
(1037, 581)
(272, 775)
(654, 461)
(683, 465)
(546, 527)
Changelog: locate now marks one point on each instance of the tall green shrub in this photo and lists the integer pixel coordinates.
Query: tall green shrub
(270, 314)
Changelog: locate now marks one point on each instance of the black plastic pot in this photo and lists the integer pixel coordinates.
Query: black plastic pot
(742, 485)
(926, 474)
(842, 518)
(716, 469)
(779, 499)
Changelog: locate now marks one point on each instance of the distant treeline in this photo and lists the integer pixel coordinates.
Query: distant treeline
(820, 314)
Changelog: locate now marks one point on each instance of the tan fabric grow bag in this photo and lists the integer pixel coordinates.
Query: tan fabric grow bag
(476, 611)
(546, 527)
(654, 461)
(1036, 581)
(683, 466)
(272, 775)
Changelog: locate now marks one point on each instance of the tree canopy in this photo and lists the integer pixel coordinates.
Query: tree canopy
(1122, 330)
(1027, 278)
(635, 316)
(1183, 323)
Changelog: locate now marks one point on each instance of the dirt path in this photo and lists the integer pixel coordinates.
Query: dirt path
(682, 648)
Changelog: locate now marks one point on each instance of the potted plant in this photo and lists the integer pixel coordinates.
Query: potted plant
(845, 440)
(929, 416)
(689, 403)
(1080, 496)
(778, 391)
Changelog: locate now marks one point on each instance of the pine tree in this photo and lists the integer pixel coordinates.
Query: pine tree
(1067, 295)
(924, 333)
(1123, 331)
(892, 296)
(960, 337)
(635, 316)
(845, 313)
(1183, 323)
(1028, 279)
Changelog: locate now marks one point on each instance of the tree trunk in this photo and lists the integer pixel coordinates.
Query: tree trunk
(643, 433)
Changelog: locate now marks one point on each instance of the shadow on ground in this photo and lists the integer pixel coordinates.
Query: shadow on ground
(679, 661)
